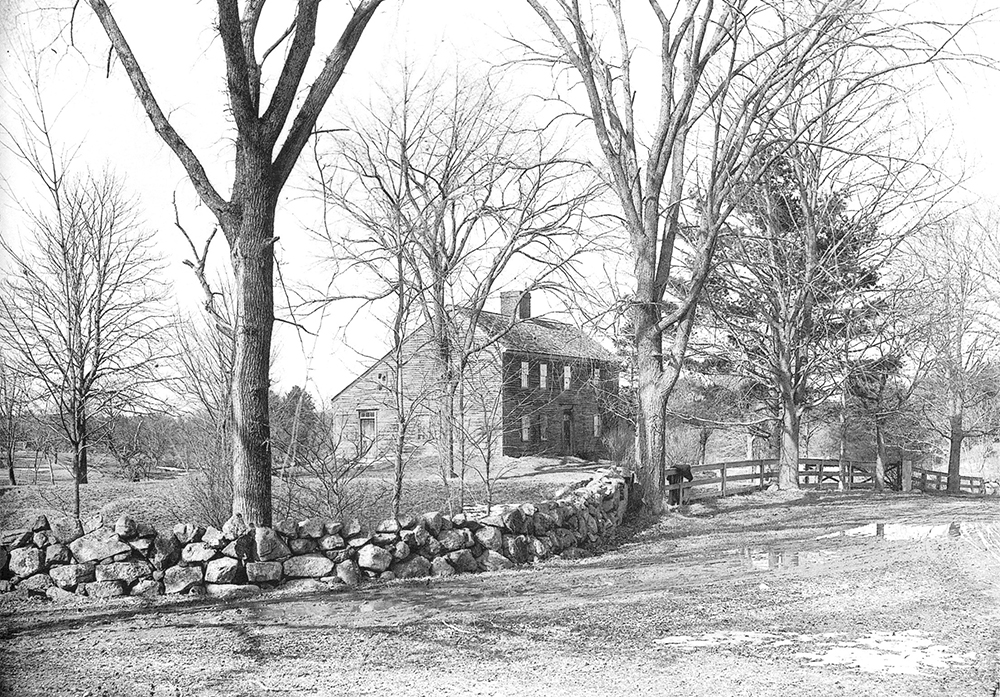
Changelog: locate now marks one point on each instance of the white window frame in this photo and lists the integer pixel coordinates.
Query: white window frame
(597, 425)
(363, 415)
(524, 374)
(567, 376)
(543, 427)
(525, 429)
(597, 375)
(543, 375)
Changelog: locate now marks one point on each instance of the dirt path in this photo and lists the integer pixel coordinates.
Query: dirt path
(734, 598)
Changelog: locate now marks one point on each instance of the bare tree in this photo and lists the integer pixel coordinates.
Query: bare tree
(14, 400)
(727, 71)
(269, 136)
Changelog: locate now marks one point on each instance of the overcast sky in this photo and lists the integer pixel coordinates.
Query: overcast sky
(175, 44)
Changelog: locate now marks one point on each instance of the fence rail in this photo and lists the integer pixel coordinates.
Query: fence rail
(741, 476)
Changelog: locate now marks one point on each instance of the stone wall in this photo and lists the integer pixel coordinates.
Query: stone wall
(95, 558)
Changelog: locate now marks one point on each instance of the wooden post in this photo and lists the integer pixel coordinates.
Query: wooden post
(906, 476)
(923, 480)
(761, 474)
(723, 479)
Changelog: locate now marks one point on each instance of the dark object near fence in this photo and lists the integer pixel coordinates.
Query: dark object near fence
(675, 476)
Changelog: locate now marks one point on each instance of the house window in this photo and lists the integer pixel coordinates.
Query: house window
(367, 426)
(524, 373)
(597, 376)
(382, 380)
(525, 429)
(543, 427)
(567, 376)
(543, 376)
(597, 425)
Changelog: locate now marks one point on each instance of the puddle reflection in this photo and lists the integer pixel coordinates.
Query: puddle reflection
(916, 531)
(771, 559)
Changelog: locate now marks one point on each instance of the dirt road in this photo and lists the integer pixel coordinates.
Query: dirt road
(738, 597)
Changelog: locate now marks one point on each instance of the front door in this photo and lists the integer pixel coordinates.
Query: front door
(567, 432)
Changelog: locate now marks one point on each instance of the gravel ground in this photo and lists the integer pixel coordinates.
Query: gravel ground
(735, 597)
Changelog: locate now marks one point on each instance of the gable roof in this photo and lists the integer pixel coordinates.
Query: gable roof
(540, 335)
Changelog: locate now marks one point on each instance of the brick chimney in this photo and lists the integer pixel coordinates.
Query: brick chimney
(516, 304)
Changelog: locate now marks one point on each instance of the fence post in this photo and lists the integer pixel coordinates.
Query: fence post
(723, 479)
(906, 476)
(923, 480)
(761, 474)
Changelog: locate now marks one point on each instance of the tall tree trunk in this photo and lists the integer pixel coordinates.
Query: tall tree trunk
(956, 434)
(788, 460)
(253, 265)
(460, 416)
(651, 457)
(9, 451)
(703, 437)
(880, 456)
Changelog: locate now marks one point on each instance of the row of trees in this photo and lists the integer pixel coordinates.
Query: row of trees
(764, 155)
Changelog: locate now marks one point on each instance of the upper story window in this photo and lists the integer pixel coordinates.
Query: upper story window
(567, 376)
(543, 375)
(524, 373)
(383, 379)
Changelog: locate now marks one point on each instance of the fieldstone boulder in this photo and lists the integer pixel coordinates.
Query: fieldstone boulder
(441, 567)
(4, 558)
(127, 571)
(386, 576)
(146, 530)
(433, 548)
(37, 583)
(463, 561)
(455, 539)
(302, 545)
(540, 547)
(165, 552)
(332, 541)
(126, 528)
(195, 552)
(491, 560)
(358, 542)
(240, 548)
(304, 585)
(338, 555)
(490, 537)
(515, 548)
(235, 527)
(58, 595)
(400, 550)
(180, 579)
(332, 527)
(408, 520)
(214, 538)
(288, 527)
(98, 545)
(223, 570)
(43, 538)
(351, 528)
(12, 539)
(71, 575)
(142, 545)
(66, 529)
(385, 539)
(307, 566)
(418, 567)
(188, 532)
(388, 525)
(347, 571)
(26, 561)
(374, 558)
(268, 546)
(57, 554)
(263, 571)
(312, 528)
(106, 589)
(93, 523)
(417, 537)
(433, 521)
(513, 520)
(147, 588)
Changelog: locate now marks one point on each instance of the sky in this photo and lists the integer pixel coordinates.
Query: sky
(98, 115)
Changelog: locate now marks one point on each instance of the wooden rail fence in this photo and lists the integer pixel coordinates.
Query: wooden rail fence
(741, 476)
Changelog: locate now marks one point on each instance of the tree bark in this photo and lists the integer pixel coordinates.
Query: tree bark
(880, 456)
(788, 460)
(956, 434)
(252, 255)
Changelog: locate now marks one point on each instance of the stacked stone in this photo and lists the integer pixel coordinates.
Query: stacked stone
(129, 558)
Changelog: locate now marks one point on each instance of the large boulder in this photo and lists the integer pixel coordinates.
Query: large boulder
(347, 571)
(214, 538)
(127, 571)
(433, 521)
(36, 583)
(332, 527)
(195, 552)
(106, 589)
(240, 548)
(263, 571)
(287, 527)
(147, 588)
(388, 525)
(400, 551)
(188, 532)
(374, 558)
(515, 548)
(268, 545)
(332, 541)
(180, 579)
(307, 566)
(490, 537)
(12, 539)
(93, 523)
(126, 528)
(43, 538)
(415, 538)
(463, 561)
(71, 575)
(235, 527)
(455, 539)
(37, 523)
(494, 561)
(166, 550)
(223, 570)
(66, 529)
(228, 591)
(417, 567)
(98, 545)
(441, 567)
(302, 545)
(351, 528)
(312, 528)
(26, 561)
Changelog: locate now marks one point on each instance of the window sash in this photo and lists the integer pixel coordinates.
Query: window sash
(597, 425)
(567, 376)
(524, 373)
(525, 429)
(543, 375)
